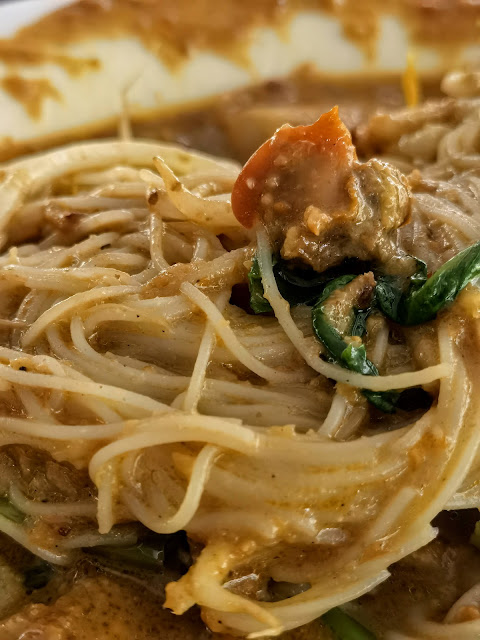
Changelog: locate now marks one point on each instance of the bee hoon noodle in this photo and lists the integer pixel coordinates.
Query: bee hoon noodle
(129, 349)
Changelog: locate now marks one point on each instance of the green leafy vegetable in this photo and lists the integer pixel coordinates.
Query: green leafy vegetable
(390, 296)
(386, 401)
(355, 358)
(153, 552)
(397, 297)
(420, 275)
(8, 510)
(392, 291)
(359, 326)
(350, 356)
(333, 285)
(344, 627)
(296, 285)
(328, 335)
(305, 286)
(324, 331)
(442, 288)
(37, 576)
(140, 555)
(423, 299)
(258, 303)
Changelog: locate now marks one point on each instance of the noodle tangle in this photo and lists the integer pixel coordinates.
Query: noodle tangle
(123, 352)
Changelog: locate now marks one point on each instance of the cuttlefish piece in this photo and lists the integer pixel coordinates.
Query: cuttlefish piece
(318, 203)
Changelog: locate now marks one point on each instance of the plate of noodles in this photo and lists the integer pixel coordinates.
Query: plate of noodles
(239, 326)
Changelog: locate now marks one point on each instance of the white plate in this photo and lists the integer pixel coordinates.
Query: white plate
(129, 69)
(17, 14)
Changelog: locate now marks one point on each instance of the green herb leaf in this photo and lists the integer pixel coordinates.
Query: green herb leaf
(422, 299)
(305, 286)
(324, 331)
(8, 510)
(299, 286)
(355, 358)
(328, 335)
(344, 627)
(349, 356)
(385, 401)
(153, 552)
(140, 555)
(359, 326)
(442, 288)
(389, 296)
(333, 285)
(392, 291)
(296, 285)
(420, 276)
(258, 303)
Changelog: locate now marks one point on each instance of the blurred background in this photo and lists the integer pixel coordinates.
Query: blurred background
(220, 76)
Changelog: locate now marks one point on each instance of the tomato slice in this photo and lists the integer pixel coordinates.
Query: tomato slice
(295, 168)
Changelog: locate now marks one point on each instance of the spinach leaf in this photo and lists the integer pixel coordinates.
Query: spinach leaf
(304, 285)
(327, 334)
(344, 627)
(140, 555)
(442, 288)
(359, 326)
(350, 356)
(333, 285)
(297, 285)
(386, 401)
(389, 296)
(324, 331)
(423, 299)
(392, 291)
(153, 552)
(258, 303)
(355, 358)
(8, 510)
(420, 275)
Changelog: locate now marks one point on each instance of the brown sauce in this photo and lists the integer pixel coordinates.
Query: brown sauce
(94, 604)
(31, 93)
(234, 124)
(17, 51)
(172, 28)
